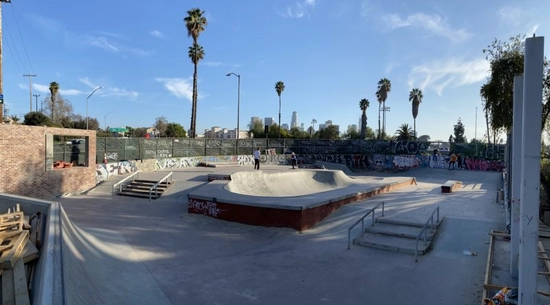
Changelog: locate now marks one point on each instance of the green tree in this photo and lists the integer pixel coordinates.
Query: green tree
(161, 124)
(459, 132)
(330, 133)
(296, 133)
(140, 132)
(364, 104)
(404, 133)
(257, 129)
(195, 22)
(54, 89)
(415, 96)
(424, 138)
(36, 119)
(384, 87)
(175, 130)
(279, 88)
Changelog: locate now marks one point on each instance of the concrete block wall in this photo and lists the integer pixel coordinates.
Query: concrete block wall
(23, 168)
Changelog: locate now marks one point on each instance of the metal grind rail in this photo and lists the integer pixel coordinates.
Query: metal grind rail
(429, 222)
(168, 179)
(122, 182)
(362, 221)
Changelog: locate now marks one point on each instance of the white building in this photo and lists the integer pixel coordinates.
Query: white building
(294, 120)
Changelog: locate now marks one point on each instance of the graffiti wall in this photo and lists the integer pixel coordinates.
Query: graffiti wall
(104, 171)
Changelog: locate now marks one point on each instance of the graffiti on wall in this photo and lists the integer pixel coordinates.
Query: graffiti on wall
(104, 171)
(203, 207)
(172, 163)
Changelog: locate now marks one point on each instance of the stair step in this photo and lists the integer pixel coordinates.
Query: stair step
(399, 230)
(140, 191)
(393, 243)
(140, 195)
(404, 222)
(143, 187)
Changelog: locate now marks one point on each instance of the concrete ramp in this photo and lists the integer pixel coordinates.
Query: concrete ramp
(284, 184)
(335, 166)
(100, 267)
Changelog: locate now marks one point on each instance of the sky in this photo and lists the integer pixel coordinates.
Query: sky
(329, 54)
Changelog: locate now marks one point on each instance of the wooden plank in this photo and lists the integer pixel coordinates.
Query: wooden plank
(30, 252)
(8, 287)
(499, 287)
(8, 258)
(488, 267)
(21, 290)
(545, 259)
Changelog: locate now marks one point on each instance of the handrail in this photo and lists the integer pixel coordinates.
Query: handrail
(362, 221)
(431, 221)
(119, 184)
(155, 186)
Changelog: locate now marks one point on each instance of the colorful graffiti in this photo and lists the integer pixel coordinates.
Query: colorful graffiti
(203, 207)
(104, 171)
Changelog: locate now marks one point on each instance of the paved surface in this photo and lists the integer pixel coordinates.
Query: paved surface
(193, 259)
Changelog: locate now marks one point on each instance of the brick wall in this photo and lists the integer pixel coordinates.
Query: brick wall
(23, 169)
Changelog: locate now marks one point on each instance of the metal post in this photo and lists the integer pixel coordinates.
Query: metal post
(238, 108)
(30, 76)
(475, 133)
(530, 170)
(87, 105)
(36, 96)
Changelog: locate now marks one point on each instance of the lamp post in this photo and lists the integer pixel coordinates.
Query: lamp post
(36, 96)
(475, 132)
(106, 119)
(238, 105)
(87, 105)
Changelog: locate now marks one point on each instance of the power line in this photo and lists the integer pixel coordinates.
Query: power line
(21, 36)
(30, 76)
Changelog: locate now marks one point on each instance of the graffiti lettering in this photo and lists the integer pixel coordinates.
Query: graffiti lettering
(204, 207)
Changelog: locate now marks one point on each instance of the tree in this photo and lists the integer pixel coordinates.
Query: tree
(175, 130)
(363, 104)
(459, 132)
(36, 119)
(404, 133)
(54, 88)
(424, 138)
(330, 132)
(161, 124)
(279, 88)
(195, 22)
(140, 132)
(257, 129)
(415, 96)
(384, 87)
(62, 111)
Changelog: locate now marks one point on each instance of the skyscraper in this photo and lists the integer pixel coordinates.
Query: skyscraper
(269, 121)
(294, 121)
(255, 119)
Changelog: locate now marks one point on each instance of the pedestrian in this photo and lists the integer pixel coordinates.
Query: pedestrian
(459, 161)
(452, 161)
(257, 159)
(434, 158)
(293, 160)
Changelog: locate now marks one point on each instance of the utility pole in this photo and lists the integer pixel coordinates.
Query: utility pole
(36, 96)
(30, 76)
(1, 75)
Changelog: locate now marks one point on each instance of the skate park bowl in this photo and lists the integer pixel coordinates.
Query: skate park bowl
(80, 266)
(295, 199)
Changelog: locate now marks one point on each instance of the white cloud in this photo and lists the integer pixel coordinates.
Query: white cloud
(157, 34)
(299, 9)
(178, 86)
(451, 72)
(510, 14)
(432, 23)
(212, 64)
(120, 92)
(46, 90)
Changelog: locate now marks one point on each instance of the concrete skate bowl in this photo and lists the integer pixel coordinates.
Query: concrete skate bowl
(83, 266)
(296, 199)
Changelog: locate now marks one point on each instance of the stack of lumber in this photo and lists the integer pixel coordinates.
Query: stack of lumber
(20, 241)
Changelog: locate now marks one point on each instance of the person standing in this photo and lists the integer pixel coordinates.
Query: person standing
(257, 159)
(459, 161)
(293, 160)
(452, 161)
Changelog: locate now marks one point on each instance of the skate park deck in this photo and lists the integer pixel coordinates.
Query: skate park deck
(158, 253)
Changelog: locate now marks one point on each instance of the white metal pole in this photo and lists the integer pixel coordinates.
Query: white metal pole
(516, 175)
(530, 170)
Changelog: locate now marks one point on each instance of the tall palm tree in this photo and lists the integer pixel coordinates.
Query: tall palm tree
(195, 22)
(415, 96)
(404, 133)
(54, 88)
(364, 104)
(484, 92)
(384, 87)
(196, 53)
(379, 109)
(279, 88)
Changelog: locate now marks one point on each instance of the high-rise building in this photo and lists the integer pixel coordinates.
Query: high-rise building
(294, 120)
(284, 126)
(255, 119)
(302, 127)
(269, 121)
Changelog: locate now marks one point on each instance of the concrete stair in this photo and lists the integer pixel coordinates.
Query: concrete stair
(140, 188)
(398, 236)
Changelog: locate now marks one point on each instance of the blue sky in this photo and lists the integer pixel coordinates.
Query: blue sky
(330, 54)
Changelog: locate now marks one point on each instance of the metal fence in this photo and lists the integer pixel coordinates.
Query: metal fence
(117, 149)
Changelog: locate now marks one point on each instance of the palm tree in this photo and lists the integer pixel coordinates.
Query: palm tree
(196, 53)
(195, 23)
(384, 87)
(379, 109)
(54, 88)
(415, 96)
(404, 133)
(364, 104)
(279, 88)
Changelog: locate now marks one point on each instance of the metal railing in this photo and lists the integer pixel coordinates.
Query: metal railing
(362, 221)
(168, 178)
(430, 221)
(123, 182)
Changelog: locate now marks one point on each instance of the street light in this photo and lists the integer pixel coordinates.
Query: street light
(238, 101)
(106, 119)
(87, 104)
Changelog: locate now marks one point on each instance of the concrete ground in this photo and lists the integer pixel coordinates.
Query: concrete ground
(193, 259)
